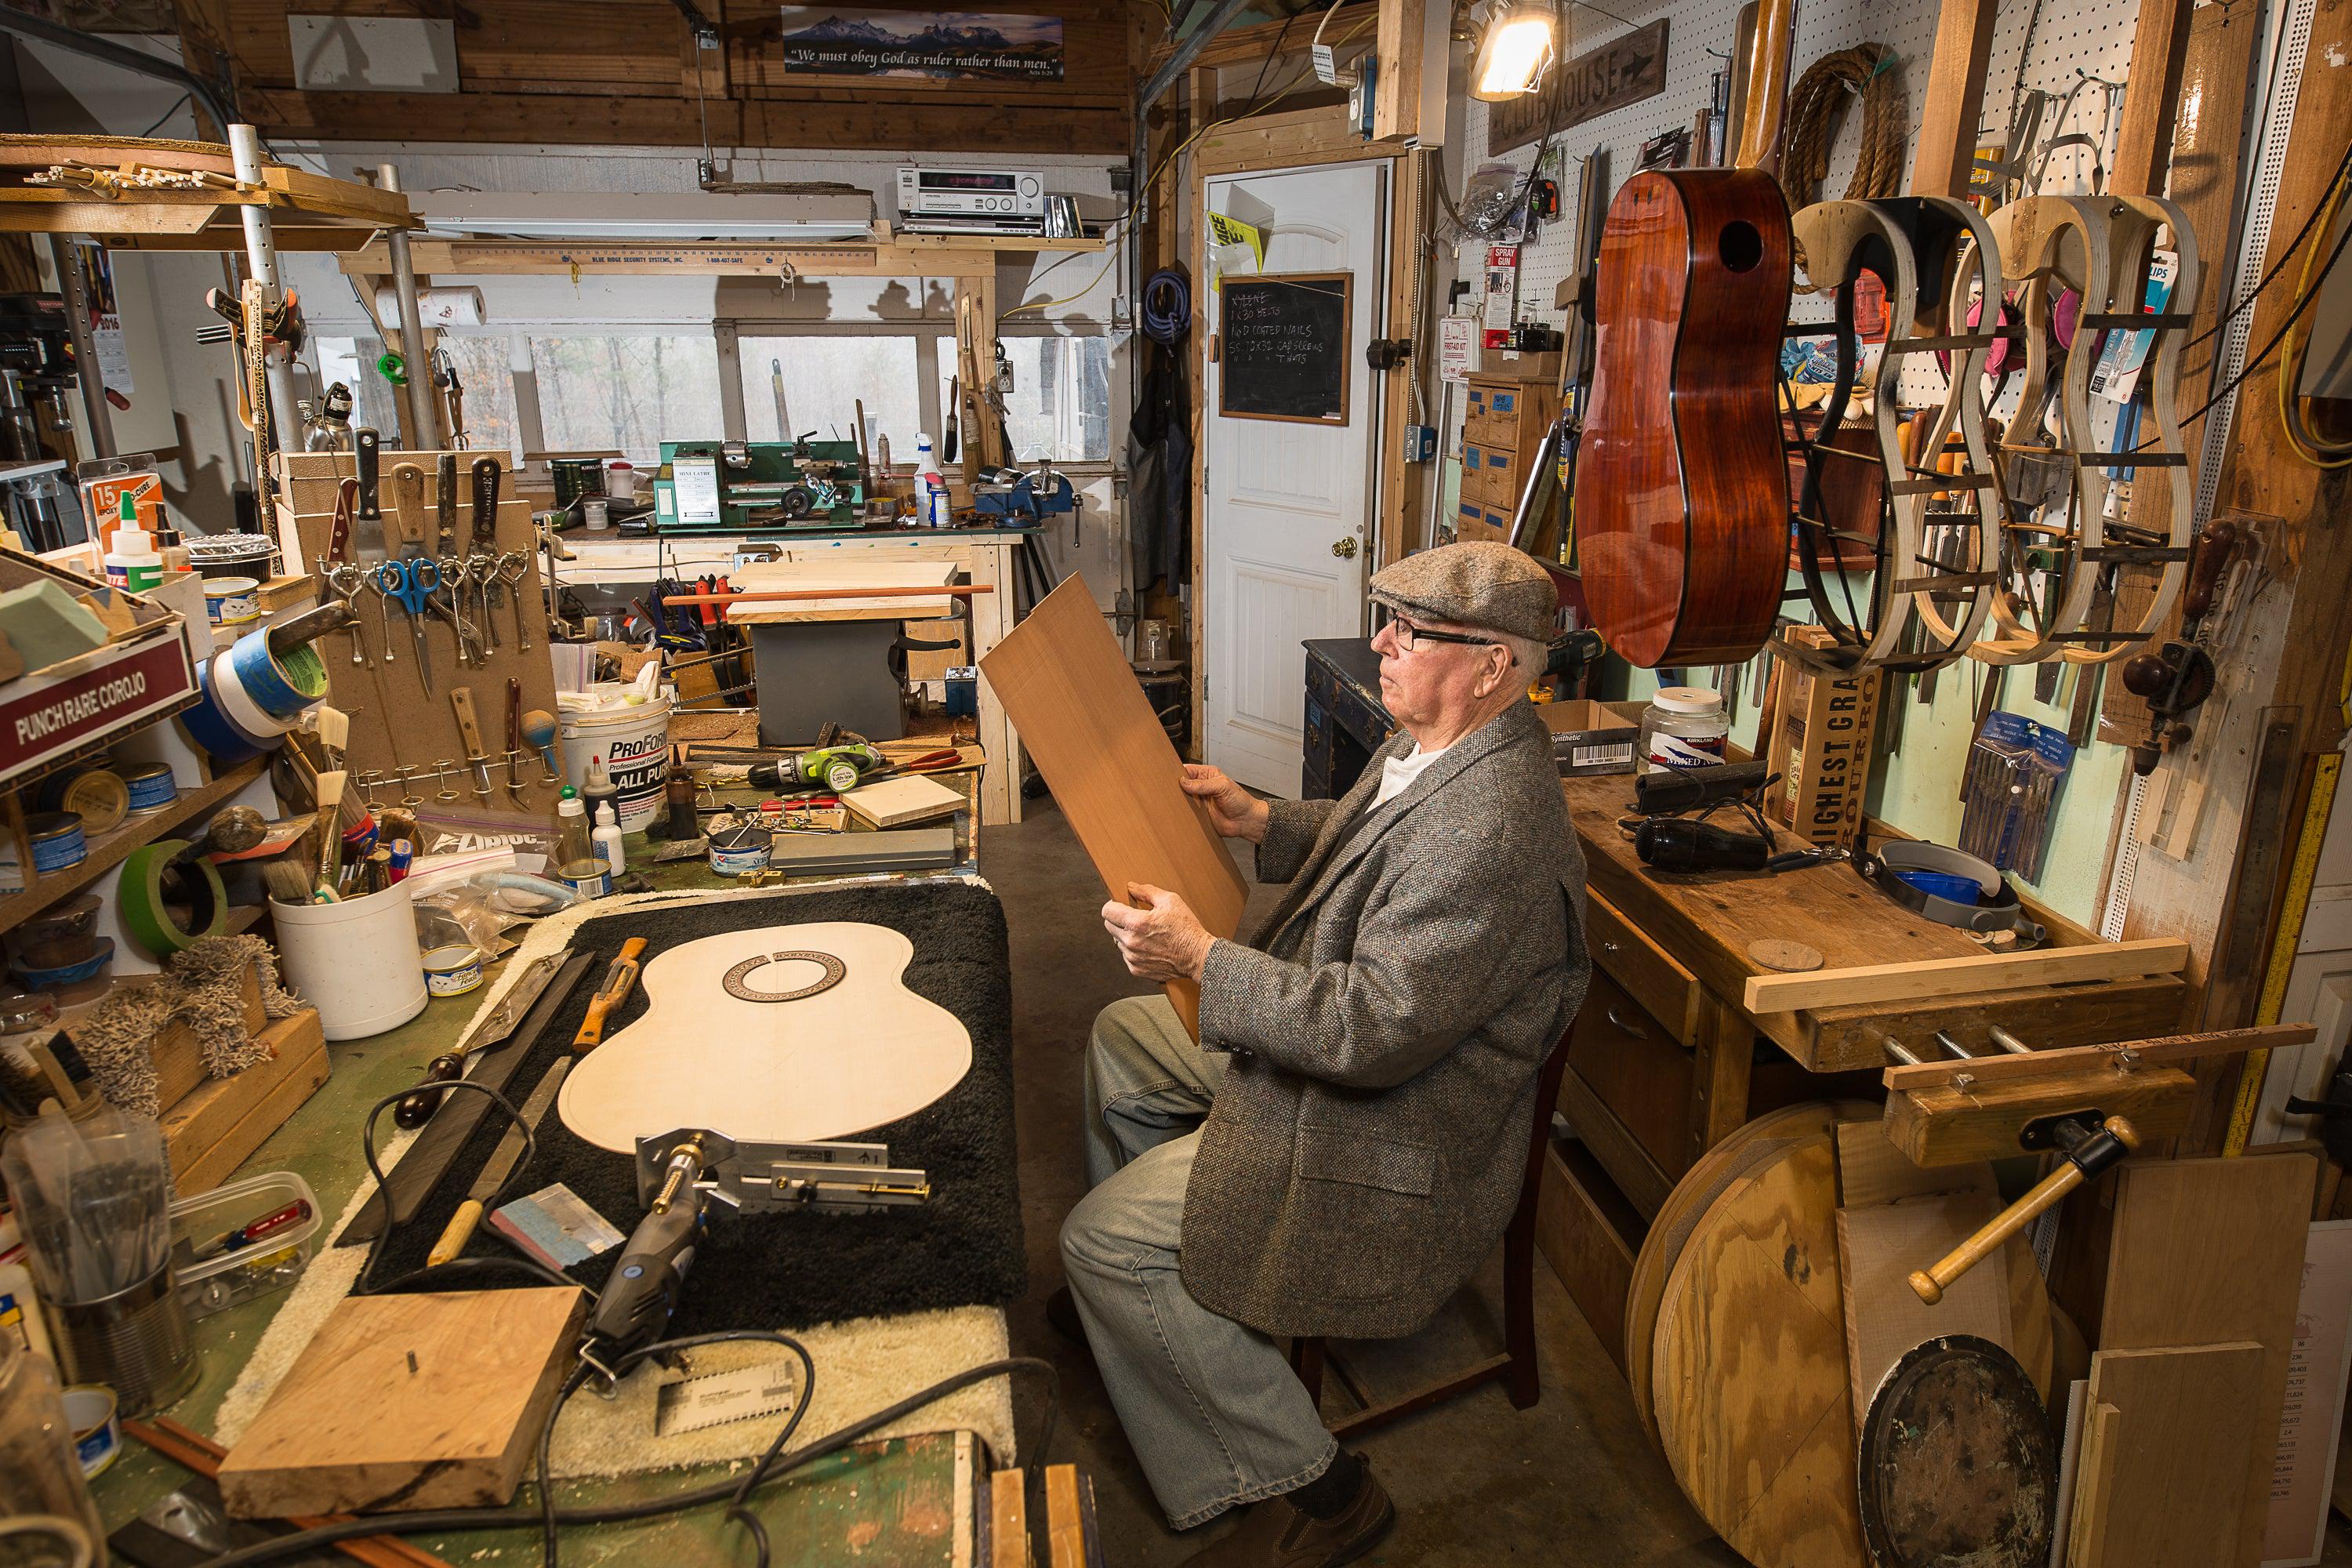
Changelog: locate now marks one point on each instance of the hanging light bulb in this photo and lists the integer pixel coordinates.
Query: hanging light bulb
(1520, 46)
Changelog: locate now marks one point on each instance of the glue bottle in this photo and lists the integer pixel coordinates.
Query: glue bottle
(597, 785)
(573, 844)
(930, 490)
(132, 561)
(608, 839)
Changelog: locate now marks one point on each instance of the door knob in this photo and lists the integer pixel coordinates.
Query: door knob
(1344, 549)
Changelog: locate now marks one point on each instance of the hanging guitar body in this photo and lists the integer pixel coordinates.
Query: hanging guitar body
(777, 1034)
(1682, 490)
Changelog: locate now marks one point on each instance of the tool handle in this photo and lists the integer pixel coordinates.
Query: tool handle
(514, 714)
(365, 447)
(445, 500)
(2217, 544)
(408, 504)
(613, 992)
(470, 724)
(460, 1231)
(1930, 1283)
(486, 475)
(339, 542)
(415, 1108)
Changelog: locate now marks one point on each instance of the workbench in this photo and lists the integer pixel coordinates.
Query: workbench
(898, 1503)
(980, 556)
(1664, 1062)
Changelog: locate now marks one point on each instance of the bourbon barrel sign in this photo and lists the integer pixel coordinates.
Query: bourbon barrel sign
(1623, 71)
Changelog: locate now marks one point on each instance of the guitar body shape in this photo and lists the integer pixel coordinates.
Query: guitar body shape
(1682, 489)
(780, 1035)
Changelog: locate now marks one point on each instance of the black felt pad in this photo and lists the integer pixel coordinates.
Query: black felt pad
(961, 1248)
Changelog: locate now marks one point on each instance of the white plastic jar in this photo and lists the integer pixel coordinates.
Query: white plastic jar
(1683, 727)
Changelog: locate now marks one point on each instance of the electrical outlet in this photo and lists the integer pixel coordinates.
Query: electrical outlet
(1420, 443)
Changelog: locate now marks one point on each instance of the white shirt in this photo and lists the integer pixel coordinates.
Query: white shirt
(1397, 773)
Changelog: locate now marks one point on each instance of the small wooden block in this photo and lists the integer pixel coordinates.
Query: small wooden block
(212, 1129)
(2162, 1477)
(1069, 1519)
(1872, 1170)
(894, 803)
(1789, 957)
(180, 1061)
(1008, 1520)
(1949, 1125)
(407, 1403)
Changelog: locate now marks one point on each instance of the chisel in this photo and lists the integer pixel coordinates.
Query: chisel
(500, 1165)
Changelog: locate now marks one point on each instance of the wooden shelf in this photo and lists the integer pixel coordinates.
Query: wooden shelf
(108, 850)
(308, 211)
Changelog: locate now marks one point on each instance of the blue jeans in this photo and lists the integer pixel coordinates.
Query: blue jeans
(1211, 1406)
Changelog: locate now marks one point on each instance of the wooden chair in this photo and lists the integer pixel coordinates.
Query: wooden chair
(1515, 1368)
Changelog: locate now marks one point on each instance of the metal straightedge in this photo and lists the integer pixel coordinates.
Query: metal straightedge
(768, 1178)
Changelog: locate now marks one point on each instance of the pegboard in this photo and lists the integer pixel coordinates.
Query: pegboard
(2071, 39)
(395, 723)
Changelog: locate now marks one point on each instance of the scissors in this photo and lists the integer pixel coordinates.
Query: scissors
(412, 580)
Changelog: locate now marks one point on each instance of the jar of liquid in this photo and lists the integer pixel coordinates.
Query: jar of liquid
(1683, 727)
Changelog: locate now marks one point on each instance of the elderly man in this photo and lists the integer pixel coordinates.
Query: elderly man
(1343, 1146)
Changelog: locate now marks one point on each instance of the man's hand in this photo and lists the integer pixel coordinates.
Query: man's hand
(1236, 813)
(1162, 940)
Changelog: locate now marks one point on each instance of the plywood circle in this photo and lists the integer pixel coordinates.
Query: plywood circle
(1749, 1364)
(1958, 1467)
(779, 1065)
(1787, 957)
(1671, 1226)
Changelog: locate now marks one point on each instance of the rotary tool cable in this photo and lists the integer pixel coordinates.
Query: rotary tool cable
(437, 1276)
(280, 1548)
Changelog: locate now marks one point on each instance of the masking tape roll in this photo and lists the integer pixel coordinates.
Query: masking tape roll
(280, 689)
(146, 916)
(238, 702)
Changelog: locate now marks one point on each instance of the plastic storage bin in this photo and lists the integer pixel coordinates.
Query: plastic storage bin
(238, 1275)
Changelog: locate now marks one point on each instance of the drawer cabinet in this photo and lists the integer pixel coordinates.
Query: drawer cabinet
(1502, 431)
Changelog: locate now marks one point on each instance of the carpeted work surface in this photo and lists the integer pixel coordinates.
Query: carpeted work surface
(963, 1248)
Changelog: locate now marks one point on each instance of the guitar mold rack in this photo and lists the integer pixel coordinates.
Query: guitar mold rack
(771, 1178)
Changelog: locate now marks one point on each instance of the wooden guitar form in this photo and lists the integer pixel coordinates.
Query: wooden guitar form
(2102, 247)
(1927, 592)
(784, 1034)
(1682, 490)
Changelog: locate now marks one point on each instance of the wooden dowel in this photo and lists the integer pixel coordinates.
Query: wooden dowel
(1929, 1284)
(945, 590)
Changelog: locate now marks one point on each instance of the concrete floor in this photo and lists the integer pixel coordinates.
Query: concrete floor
(1570, 1480)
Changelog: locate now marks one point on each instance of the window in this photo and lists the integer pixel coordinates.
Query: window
(607, 392)
(484, 364)
(1059, 408)
(825, 375)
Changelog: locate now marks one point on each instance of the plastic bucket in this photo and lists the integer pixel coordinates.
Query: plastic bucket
(356, 962)
(634, 744)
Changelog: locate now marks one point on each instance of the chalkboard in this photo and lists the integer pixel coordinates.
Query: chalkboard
(1284, 347)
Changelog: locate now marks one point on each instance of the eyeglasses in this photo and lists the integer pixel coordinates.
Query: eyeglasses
(1407, 635)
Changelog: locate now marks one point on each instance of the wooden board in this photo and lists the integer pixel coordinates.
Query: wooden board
(760, 576)
(1872, 1170)
(893, 803)
(2210, 1252)
(1878, 1246)
(212, 1129)
(1751, 1385)
(1085, 721)
(1582, 1226)
(1950, 1125)
(407, 1402)
(1708, 1178)
(2165, 1447)
(1960, 976)
(1008, 1520)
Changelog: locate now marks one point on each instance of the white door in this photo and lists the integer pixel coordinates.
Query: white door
(1289, 504)
(2318, 990)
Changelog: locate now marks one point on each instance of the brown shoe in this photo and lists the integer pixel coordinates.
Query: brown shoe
(1274, 1534)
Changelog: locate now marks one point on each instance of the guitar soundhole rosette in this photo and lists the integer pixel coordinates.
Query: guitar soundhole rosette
(737, 981)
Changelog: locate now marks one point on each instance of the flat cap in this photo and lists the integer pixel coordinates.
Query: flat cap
(1484, 585)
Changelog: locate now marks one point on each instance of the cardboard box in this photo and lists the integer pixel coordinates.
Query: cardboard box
(1590, 738)
(1821, 743)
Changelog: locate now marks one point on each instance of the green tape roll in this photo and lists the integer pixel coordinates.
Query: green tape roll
(149, 918)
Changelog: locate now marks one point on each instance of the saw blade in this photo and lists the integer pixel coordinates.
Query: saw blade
(716, 1398)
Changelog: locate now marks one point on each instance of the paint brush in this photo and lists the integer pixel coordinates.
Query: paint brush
(330, 837)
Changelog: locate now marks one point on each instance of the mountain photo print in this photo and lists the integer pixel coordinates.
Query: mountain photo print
(822, 40)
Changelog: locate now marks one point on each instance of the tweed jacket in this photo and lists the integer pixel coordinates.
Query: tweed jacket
(1368, 1140)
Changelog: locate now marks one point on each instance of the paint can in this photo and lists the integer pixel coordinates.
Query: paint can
(589, 878)
(91, 1417)
(60, 936)
(150, 787)
(453, 971)
(740, 849)
(57, 843)
(99, 797)
(232, 601)
(633, 741)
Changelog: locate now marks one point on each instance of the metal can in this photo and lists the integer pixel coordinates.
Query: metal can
(740, 849)
(56, 840)
(151, 787)
(589, 878)
(453, 971)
